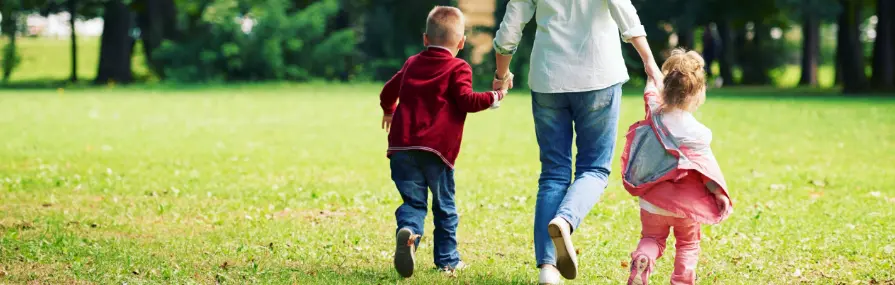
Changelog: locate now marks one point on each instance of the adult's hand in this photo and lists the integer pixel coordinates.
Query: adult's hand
(654, 73)
(502, 82)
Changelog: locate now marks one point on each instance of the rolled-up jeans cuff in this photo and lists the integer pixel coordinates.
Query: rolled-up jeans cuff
(573, 221)
(546, 261)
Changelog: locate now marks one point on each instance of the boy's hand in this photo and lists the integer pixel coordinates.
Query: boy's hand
(386, 122)
(501, 93)
(722, 201)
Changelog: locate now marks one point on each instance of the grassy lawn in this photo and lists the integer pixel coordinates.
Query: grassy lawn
(289, 184)
(49, 59)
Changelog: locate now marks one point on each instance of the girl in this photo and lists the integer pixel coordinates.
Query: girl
(668, 164)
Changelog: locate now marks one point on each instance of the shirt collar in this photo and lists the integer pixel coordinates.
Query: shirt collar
(442, 48)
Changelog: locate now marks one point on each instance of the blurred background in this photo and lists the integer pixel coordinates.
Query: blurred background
(845, 44)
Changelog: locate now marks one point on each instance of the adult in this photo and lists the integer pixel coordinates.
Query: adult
(575, 75)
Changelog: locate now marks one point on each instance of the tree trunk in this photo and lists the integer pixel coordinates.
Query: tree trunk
(115, 45)
(725, 61)
(753, 58)
(840, 44)
(157, 23)
(810, 48)
(73, 12)
(9, 25)
(685, 37)
(709, 48)
(854, 78)
(883, 58)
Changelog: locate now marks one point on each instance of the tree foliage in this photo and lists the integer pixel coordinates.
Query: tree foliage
(393, 31)
(284, 43)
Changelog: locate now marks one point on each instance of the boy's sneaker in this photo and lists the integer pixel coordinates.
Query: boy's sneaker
(460, 266)
(404, 252)
(640, 270)
(566, 258)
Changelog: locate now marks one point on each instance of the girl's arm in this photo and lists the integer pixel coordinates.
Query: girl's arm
(651, 98)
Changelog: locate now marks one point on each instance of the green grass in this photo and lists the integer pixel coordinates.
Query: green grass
(290, 184)
(49, 59)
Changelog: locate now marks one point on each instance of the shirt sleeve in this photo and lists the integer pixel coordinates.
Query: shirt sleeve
(388, 98)
(466, 99)
(508, 36)
(625, 16)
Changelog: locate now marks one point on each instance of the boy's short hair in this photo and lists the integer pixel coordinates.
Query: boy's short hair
(445, 25)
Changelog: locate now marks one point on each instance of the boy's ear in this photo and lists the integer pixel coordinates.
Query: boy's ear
(425, 39)
(462, 43)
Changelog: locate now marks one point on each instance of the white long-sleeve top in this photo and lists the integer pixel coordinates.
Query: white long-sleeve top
(577, 46)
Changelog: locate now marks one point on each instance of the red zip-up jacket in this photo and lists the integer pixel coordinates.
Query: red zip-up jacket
(434, 89)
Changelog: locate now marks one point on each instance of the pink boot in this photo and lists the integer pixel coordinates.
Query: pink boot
(641, 267)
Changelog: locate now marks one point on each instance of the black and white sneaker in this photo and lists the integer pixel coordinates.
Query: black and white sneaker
(405, 248)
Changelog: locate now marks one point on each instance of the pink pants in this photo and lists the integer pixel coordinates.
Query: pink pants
(687, 233)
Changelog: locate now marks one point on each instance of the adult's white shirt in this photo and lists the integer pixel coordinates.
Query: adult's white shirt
(577, 45)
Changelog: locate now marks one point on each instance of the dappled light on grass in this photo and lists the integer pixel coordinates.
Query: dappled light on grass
(289, 184)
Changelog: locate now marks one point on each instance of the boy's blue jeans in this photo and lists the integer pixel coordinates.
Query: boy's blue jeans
(415, 173)
(593, 117)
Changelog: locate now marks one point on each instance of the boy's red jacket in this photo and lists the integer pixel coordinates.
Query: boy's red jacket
(435, 92)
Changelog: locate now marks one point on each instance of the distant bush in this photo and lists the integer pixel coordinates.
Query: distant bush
(280, 43)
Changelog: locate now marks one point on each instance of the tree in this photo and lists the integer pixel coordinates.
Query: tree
(851, 54)
(9, 25)
(75, 9)
(883, 48)
(726, 58)
(810, 46)
(731, 19)
(157, 21)
(73, 12)
(394, 33)
(116, 44)
(811, 14)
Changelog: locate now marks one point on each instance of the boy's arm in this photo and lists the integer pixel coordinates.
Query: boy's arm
(388, 98)
(468, 100)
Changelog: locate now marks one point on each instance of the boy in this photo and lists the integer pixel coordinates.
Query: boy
(434, 89)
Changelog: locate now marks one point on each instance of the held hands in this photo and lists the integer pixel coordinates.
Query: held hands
(502, 83)
(653, 73)
(387, 122)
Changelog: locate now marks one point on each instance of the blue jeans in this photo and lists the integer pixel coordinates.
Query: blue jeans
(415, 173)
(593, 116)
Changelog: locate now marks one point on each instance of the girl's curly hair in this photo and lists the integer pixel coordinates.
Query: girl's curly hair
(684, 78)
